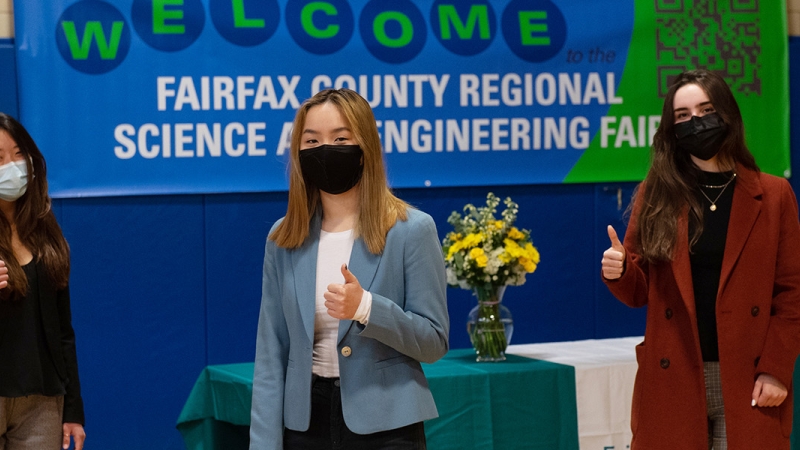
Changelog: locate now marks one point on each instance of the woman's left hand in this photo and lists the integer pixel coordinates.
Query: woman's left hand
(768, 391)
(75, 431)
(342, 300)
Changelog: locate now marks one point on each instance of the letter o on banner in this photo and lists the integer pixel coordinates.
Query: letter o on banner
(394, 32)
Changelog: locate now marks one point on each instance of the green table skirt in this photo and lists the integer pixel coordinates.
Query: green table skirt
(519, 403)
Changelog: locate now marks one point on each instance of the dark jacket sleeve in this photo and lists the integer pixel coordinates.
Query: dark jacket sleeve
(632, 288)
(73, 403)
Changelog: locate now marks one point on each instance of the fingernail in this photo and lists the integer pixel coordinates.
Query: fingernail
(753, 403)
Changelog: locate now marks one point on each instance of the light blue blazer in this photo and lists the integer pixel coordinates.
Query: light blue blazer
(382, 383)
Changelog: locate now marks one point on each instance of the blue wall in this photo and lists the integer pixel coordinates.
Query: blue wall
(8, 77)
(165, 285)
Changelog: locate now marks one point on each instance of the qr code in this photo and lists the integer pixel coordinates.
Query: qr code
(718, 35)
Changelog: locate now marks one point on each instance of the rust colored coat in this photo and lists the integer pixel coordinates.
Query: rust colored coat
(758, 323)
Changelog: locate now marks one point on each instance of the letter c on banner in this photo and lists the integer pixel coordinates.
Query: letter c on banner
(320, 27)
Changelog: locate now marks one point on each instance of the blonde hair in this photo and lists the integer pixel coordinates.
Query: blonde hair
(379, 209)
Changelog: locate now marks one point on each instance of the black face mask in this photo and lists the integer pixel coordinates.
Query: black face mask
(334, 169)
(701, 136)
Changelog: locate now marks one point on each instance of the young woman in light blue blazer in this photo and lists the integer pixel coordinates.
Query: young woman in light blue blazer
(353, 296)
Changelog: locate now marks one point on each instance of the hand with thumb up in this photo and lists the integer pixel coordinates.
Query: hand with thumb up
(613, 258)
(342, 300)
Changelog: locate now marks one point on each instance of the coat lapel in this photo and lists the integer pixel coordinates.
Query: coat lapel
(304, 270)
(744, 212)
(363, 265)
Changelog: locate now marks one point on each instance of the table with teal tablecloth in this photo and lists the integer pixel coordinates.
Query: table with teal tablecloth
(519, 403)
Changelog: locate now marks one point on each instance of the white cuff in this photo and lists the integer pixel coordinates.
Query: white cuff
(362, 313)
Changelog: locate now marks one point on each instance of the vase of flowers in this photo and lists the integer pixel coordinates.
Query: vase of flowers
(490, 325)
(486, 254)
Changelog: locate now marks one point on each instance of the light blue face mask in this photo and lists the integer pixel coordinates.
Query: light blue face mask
(13, 180)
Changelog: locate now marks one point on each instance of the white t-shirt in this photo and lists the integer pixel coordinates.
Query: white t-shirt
(334, 250)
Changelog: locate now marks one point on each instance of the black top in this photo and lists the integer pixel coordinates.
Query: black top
(706, 256)
(27, 366)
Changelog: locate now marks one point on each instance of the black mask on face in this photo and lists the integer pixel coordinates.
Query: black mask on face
(334, 169)
(701, 136)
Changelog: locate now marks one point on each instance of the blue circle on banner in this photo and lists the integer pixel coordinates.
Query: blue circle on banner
(394, 32)
(245, 23)
(93, 37)
(168, 25)
(318, 27)
(535, 30)
(465, 29)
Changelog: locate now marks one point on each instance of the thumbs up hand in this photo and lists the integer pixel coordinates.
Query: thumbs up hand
(3, 275)
(614, 258)
(342, 300)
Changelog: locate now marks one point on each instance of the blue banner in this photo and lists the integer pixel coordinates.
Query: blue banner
(190, 96)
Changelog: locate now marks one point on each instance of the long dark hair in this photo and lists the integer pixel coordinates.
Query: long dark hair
(672, 179)
(34, 220)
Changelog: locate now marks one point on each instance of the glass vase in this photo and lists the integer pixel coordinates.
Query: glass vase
(490, 324)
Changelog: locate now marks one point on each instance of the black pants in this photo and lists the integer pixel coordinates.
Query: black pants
(328, 430)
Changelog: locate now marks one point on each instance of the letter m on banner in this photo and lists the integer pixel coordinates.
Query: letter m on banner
(477, 14)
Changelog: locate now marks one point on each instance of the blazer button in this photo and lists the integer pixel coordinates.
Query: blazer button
(754, 311)
(668, 313)
(347, 351)
(664, 363)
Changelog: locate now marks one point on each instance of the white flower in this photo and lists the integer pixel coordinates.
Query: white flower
(452, 278)
(494, 263)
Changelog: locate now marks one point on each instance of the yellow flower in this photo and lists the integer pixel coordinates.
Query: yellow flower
(471, 240)
(532, 253)
(457, 246)
(478, 239)
(515, 234)
(513, 249)
(479, 256)
(505, 258)
(529, 265)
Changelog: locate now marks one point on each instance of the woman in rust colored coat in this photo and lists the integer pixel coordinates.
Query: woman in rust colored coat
(712, 249)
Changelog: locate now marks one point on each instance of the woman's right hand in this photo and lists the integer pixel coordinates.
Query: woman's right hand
(3, 274)
(613, 258)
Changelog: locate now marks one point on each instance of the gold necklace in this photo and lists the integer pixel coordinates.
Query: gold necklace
(713, 206)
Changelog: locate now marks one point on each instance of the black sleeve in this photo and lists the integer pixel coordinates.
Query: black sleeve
(73, 403)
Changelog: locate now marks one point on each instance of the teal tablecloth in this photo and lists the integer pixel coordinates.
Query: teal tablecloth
(520, 403)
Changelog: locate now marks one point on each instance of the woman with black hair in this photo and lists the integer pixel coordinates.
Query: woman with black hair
(40, 394)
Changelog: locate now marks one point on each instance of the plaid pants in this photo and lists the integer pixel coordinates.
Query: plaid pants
(31, 423)
(717, 439)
